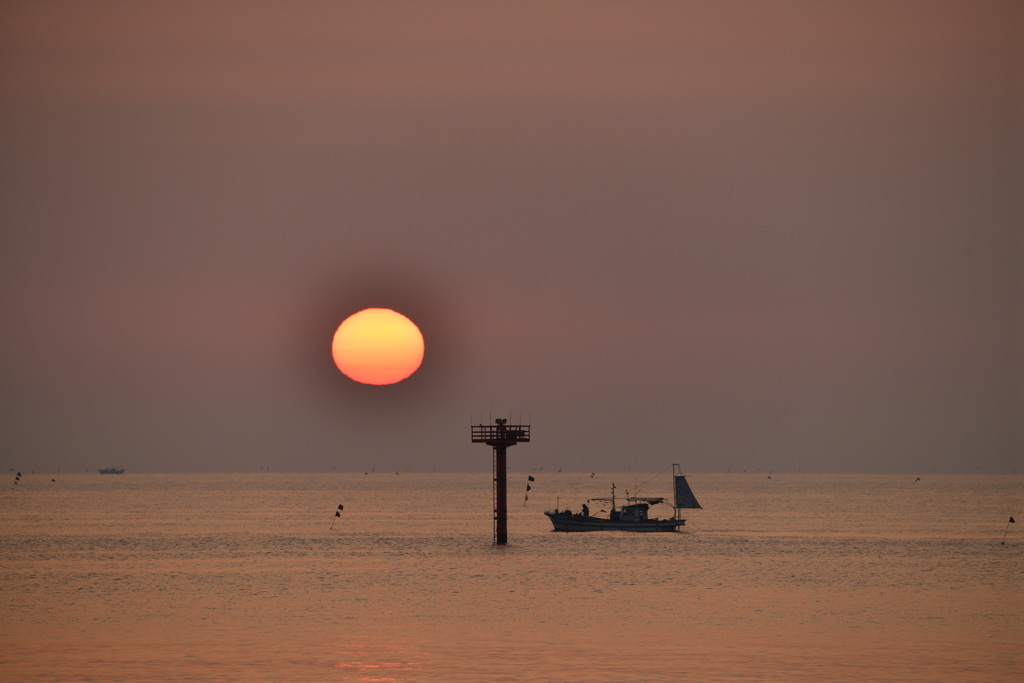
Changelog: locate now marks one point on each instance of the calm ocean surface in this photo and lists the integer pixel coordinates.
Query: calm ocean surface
(240, 578)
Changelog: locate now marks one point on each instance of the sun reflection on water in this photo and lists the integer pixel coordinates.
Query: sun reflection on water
(367, 659)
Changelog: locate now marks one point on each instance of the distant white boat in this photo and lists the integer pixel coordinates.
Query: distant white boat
(633, 516)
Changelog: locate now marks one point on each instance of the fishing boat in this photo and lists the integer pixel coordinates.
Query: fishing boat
(633, 516)
(111, 470)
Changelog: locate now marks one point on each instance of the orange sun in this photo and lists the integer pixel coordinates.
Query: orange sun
(377, 346)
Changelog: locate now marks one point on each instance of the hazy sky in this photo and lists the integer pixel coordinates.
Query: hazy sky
(764, 235)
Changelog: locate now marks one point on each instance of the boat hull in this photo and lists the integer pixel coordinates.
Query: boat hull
(564, 522)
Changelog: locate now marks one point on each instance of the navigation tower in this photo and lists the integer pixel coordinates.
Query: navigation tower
(500, 436)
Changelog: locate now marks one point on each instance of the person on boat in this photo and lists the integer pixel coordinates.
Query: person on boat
(586, 510)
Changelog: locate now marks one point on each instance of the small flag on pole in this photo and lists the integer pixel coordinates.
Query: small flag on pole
(529, 478)
(1012, 521)
(341, 507)
(337, 513)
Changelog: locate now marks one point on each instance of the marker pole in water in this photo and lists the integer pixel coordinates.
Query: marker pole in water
(500, 436)
(1003, 542)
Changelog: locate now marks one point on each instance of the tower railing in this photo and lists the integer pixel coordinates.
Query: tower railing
(500, 433)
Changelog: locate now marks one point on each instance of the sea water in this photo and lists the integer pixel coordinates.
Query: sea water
(252, 577)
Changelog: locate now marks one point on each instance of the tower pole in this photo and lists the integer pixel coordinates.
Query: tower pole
(500, 496)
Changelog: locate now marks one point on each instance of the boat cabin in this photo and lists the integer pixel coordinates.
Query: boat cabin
(631, 513)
